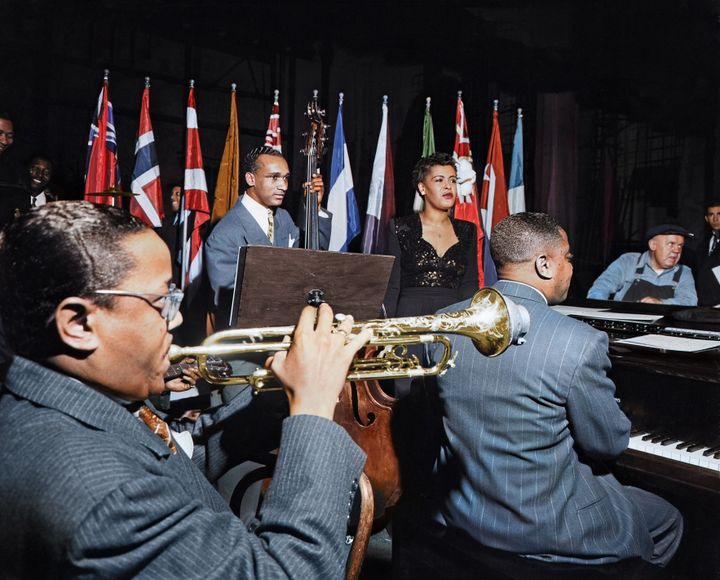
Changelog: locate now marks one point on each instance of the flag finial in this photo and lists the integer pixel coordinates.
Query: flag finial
(342, 97)
(277, 96)
(315, 94)
(192, 83)
(459, 95)
(519, 113)
(147, 82)
(233, 87)
(495, 105)
(106, 74)
(427, 104)
(385, 99)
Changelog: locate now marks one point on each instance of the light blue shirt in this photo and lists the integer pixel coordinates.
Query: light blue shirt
(620, 275)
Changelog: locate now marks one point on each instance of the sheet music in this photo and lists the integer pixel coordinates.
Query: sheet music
(605, 314)
(665, 343)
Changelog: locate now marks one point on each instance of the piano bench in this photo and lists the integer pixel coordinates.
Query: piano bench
(429, 551)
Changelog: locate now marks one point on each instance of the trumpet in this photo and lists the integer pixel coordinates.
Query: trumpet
(492, 322)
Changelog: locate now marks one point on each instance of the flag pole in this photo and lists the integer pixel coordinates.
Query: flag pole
(184, 213)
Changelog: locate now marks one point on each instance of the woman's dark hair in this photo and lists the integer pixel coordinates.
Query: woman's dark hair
(422, 167)
(61, 249)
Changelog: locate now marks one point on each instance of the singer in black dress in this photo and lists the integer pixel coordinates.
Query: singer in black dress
(436, 255)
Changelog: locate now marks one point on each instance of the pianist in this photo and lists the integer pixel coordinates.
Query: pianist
(655, 276)
(520, 467)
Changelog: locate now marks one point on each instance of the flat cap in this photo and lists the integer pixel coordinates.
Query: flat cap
(668, 229)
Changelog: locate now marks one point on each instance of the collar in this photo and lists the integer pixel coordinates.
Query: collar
(258, 211)
(520, 290)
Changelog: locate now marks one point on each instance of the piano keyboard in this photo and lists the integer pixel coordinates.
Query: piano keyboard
(668, 447)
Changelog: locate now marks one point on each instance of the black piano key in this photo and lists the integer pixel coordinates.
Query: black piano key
(669, 441)
(695, 447)
(711, 451)
(685, 444)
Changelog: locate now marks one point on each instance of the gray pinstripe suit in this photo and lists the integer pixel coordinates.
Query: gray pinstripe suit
(87, 491)
(523, 432)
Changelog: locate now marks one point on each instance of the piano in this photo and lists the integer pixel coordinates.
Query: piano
(671, 398)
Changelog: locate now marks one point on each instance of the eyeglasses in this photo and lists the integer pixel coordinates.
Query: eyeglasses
(168, 308)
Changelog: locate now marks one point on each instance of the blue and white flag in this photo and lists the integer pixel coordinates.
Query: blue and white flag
(516, 189)
(341, 200)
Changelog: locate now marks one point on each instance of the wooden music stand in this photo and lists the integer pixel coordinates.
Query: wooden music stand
(272, 284)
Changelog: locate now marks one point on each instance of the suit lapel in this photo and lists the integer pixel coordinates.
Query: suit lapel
(252, 233)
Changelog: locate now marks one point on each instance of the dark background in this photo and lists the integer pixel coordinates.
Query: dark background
(640, 78)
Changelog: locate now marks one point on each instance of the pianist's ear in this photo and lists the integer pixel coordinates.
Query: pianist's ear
(544, 267)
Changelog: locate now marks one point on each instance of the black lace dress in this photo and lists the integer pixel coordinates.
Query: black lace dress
(423, 282)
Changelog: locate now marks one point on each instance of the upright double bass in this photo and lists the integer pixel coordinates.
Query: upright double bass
(315, 147)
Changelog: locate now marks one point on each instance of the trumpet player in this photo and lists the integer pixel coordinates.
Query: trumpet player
(93, 484)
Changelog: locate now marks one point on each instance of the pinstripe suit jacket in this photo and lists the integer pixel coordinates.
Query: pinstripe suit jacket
(522, 431)
(238, 228)
(87, 491)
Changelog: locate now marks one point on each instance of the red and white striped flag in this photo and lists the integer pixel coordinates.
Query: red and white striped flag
(101, 169)
(493, 196)
(466, 206)
(196, 210)
(147, 204)
(272, 137)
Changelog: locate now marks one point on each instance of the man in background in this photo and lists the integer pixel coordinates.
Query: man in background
(654, 276)
(707, 269)
(257, 218)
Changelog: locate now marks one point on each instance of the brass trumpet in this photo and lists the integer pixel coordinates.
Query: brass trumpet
(491, 321)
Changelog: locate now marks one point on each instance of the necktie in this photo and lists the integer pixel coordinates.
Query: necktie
(157, 426)
(270, 226)
(713, 244)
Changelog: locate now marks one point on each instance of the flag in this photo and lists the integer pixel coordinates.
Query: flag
(147, 204)
(381, 198)
(341, 199)
(228, 181)
(466, 206)
(428, 149)
(428, 132)
(516, 187)
(195, 210)
(272, 137)
(493, 197)
(101, 168)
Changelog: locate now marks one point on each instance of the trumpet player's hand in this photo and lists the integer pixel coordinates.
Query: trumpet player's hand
(313, 371)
